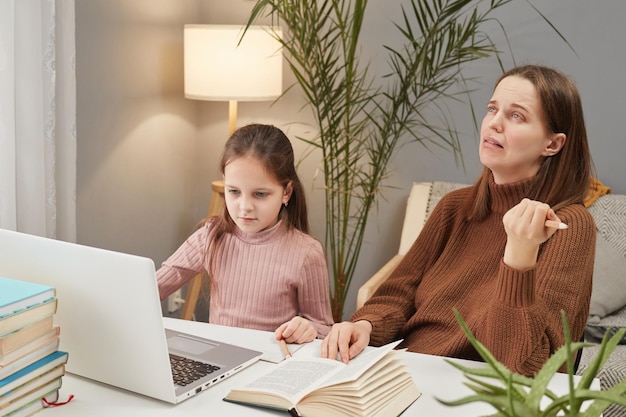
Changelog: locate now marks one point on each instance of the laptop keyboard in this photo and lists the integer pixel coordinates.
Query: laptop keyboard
(185, 370)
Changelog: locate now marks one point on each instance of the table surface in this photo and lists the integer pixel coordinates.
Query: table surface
(432, 374)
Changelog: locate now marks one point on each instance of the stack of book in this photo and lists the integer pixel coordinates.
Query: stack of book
(31, 366)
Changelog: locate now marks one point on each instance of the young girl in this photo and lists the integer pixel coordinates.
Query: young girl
(487, 251)
(266, 272)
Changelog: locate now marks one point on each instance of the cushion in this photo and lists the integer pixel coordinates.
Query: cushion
(609, 213)
(609, 289)
(612, 373)
(594, 332)
(596, 190)
(609, 280)
(439, 189)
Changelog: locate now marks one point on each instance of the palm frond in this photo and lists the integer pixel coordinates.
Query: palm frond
(362, 118)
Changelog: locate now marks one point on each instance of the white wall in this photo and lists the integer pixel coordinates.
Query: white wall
(146, 155)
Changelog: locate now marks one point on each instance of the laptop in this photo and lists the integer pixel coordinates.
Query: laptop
(111, 320)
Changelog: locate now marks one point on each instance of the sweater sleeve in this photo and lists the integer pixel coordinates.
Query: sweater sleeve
(393, 304)
(524, 326)
(184, 264)
(314, 292)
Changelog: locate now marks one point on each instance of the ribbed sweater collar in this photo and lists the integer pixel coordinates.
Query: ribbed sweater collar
(505, 196)
(263, 237)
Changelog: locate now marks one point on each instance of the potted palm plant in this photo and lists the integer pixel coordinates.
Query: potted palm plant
(362, 117)
(512, 394)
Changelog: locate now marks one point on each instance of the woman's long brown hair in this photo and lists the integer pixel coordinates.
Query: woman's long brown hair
(564, 178)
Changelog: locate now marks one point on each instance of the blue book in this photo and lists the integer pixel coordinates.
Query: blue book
(9, 324)
(29, 372)
(16, 295)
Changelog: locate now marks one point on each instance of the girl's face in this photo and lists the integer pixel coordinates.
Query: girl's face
(253, 196)
(513, 137)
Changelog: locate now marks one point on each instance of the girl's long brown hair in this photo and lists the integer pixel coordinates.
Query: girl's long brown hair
(270, 146)
(564, 178)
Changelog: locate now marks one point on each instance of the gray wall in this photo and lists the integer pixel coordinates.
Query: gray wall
(147, 155)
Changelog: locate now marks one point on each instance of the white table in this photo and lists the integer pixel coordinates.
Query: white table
(432, 375)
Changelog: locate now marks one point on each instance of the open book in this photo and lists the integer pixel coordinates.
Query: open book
(375, 383)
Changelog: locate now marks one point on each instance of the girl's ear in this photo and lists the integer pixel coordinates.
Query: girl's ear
(287, 192)
(555, 145)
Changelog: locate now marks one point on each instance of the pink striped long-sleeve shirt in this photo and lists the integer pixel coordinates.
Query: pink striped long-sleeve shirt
(259, 280)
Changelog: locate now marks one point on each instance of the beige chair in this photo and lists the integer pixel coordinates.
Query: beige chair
(422, 198)
(195, 285)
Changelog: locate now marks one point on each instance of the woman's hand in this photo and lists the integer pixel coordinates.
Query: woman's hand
(347, 338)
(296, 330)
(525, 228)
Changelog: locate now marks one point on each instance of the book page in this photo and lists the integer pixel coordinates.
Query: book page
(294, 378)
(362, 362)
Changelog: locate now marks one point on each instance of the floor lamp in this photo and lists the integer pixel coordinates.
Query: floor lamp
(223, 65)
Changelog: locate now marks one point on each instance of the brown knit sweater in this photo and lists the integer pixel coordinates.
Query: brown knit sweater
(458, 264)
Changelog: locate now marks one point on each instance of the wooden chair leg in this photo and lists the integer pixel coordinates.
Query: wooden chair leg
(195, 285)
(191, 299)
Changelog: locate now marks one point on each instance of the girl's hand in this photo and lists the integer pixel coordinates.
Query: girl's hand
(525, 228)
(296, 330)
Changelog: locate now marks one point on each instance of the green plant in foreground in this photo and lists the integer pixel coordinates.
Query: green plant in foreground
(517, 395)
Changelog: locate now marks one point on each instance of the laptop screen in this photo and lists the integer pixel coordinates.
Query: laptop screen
(108, 309)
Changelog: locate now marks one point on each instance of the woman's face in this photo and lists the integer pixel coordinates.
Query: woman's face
(253, 197)
(513, 137)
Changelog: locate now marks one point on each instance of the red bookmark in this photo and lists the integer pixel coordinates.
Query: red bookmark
(56, 403)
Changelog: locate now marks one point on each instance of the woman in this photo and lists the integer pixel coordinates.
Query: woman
(486, 250)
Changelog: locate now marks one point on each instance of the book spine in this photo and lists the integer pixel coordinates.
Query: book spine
(293, 412)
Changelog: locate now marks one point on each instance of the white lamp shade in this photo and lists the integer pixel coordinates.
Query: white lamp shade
(218, 67)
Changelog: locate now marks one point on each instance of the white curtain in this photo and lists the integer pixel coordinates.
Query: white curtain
(38, 117)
